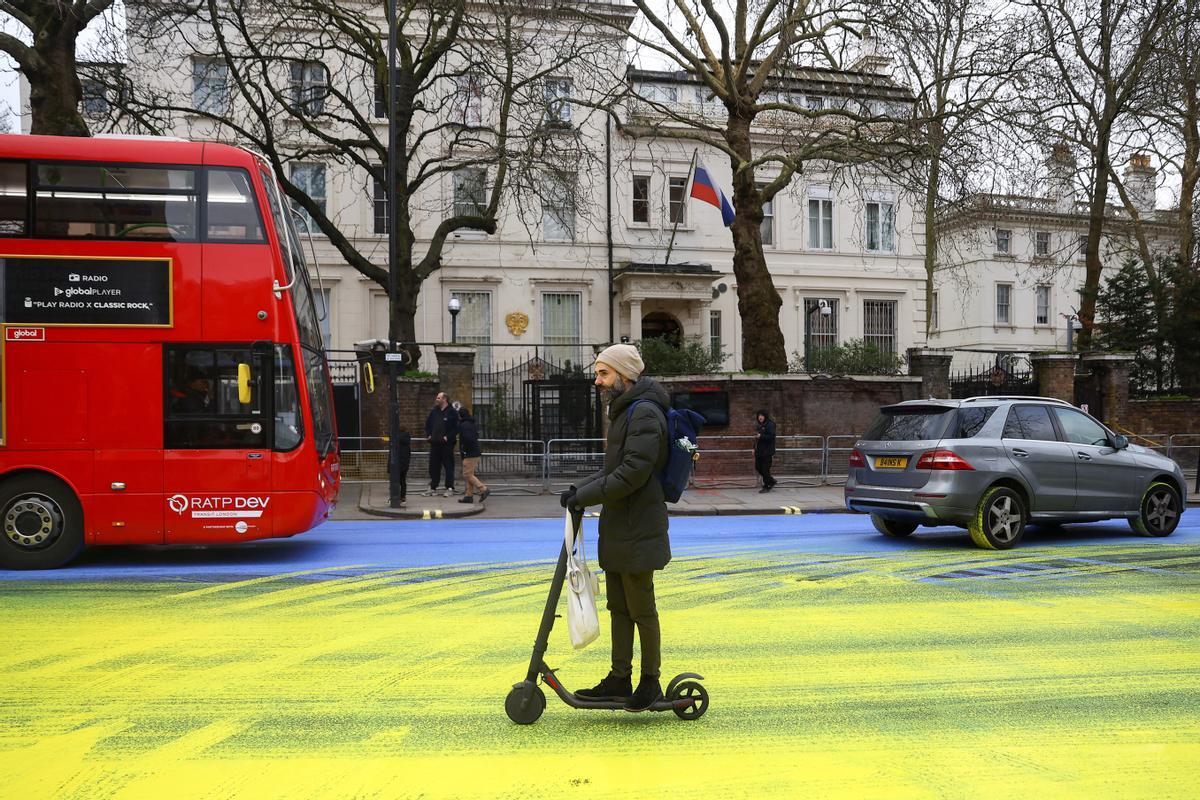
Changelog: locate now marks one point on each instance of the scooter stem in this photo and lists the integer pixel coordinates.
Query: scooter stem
(543, 637)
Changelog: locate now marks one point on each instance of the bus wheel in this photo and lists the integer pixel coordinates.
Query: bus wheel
(41, 523)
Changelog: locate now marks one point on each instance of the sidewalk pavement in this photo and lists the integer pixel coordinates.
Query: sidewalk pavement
(370, 500)
(362, 501)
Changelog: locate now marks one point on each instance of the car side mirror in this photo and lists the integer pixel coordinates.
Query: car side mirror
(1120, 442)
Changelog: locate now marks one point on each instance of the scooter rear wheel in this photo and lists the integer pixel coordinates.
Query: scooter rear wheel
(694, 691)
(531, 712)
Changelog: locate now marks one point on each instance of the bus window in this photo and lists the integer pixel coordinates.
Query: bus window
(115, 201)
(12, 198)
(317, 378)
(230, 211)
(302, 297)
(289, 422)
(203, 409)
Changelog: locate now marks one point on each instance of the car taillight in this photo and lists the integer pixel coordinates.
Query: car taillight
(942, 459)
(856, 459)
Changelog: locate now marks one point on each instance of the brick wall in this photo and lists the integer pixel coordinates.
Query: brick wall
(1162, 416)
(801, 405)
(416, 398)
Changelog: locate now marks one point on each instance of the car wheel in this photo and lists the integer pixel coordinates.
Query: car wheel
(1159, 512)
(41, 523)
(890, 527)
(999, 520)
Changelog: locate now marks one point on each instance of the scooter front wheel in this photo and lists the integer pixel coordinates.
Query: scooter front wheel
(694, 691)
(521, 712)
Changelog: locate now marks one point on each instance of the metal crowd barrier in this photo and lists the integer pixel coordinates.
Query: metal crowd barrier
(567, 460)
(1184, 448)
(837, 458)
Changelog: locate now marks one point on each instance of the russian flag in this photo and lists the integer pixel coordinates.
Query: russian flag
(705, 188)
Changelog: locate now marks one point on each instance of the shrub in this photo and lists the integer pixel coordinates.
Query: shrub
(691, 356)
(855, 357)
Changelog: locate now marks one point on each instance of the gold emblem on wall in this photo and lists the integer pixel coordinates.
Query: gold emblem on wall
(517, 322)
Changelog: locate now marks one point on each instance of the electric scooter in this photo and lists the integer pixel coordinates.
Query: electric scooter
(684, 695)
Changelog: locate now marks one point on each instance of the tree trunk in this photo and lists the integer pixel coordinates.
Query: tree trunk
(54, 87)
(1096, 210)
(758, 302)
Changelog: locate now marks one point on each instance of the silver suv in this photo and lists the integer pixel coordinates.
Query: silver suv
(995, 464)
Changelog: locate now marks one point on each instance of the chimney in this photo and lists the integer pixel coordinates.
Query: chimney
(1141, 182)
(1060, 168)
(871, 58)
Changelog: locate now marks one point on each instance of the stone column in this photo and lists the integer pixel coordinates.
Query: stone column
(933, 368)
(1055, 374)
(635, 320)
(1113, 373)
(456, 372)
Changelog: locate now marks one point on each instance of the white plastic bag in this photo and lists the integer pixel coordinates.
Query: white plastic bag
(581, 586)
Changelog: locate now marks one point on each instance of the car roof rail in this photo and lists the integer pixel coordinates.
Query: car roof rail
(1017, 397)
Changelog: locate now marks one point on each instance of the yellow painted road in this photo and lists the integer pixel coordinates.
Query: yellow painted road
(942, 674)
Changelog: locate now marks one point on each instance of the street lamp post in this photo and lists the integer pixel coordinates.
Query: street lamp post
(825, 309)
(454, 306)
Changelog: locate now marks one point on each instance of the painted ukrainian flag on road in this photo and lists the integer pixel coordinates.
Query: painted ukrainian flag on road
(706, 189)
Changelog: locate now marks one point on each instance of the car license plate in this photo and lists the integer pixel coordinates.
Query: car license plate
(891, 462)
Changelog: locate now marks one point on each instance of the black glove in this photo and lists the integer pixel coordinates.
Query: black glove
(567, 499)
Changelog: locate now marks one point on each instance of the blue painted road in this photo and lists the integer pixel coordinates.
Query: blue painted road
(379, 545)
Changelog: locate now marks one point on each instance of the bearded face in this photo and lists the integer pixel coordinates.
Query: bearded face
(618, 388)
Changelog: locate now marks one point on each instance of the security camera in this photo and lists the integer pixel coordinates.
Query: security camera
(824, 306)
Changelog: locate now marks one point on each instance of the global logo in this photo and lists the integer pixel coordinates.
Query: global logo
(178, 503)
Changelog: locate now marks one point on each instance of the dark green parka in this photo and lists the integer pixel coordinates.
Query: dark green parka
(633, 524)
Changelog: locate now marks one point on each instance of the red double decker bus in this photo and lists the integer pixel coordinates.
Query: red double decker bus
(164, 379)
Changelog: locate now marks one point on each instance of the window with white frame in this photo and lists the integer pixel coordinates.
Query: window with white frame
(210, 85)
(309, 85)
(558, 206)
(1003, 240)
(1042, 294)
(470, 191)
(1082, 247)
(814, 102)
(94, 100)
(768, 223)
(879, 324)
(822, 329)
(310, 179)
(562, 326)
(641, 199)
(934, 322)
(475, 325)
(677, 200)
(557, 95)
(1003, 304)
(380, 206)
(468, 99)
(820, 223)
(322, 298)
(1041, 243)
(881, 226)
(714, 333)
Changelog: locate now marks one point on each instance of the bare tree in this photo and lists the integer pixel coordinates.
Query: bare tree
(959, 58)
(1096, 56)
(307, 80)
(49, 63)
(747, 59)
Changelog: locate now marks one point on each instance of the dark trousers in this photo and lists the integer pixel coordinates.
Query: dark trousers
(762, 465)
(441, 457)
(630, 603)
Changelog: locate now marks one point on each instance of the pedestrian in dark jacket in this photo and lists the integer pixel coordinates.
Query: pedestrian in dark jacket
(468, 438)
(403, 453)
(633, 523)
(764, 449)
(441, 428)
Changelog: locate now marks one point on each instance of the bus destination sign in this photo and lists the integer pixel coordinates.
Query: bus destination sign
(86, 291)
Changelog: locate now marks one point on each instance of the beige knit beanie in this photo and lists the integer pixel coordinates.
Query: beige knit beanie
(624, 358)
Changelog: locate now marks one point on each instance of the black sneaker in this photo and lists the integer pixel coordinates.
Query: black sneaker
(611, 688)
(485, 494)
(467, 499)
(648, 691)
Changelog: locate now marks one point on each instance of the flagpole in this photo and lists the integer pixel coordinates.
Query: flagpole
(687, 187)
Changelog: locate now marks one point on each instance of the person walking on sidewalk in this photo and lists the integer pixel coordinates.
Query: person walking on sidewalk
(633, 522)
(441, 428)
(764, 449)
(468, 439)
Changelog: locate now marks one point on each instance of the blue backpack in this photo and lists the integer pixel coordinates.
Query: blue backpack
(682, 450)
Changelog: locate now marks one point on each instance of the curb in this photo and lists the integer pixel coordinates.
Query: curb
(758, 511)
(422, 513)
